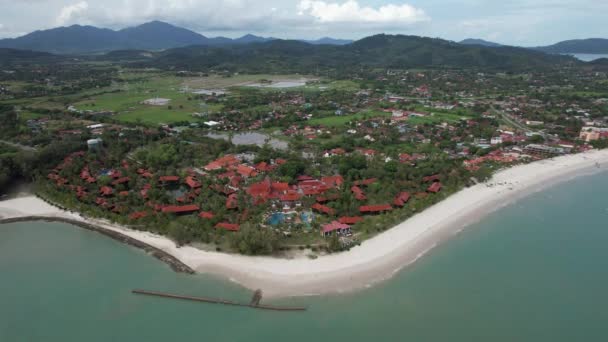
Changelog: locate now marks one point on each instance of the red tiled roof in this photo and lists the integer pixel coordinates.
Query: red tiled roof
(144, 173)
(115, 174)
(366, 181)
(262, 167)
(169, 178)
(228, 226)
(327, 198)
(290, 197)
(333, 181)
(280, 186)
(232, 202)
(304, 178)
(192, 183)
(350, 220)
(121, 180)
(431, 178)
(175, 209)
(359, 194)
(261, 189)
(375, 208)
(222, 162)
(338, 150)
(322, 208)
(401, 199)
(335, 225)
(435, 187)
(138, 215)
(206, 215)
(106, 190)
(246, 171)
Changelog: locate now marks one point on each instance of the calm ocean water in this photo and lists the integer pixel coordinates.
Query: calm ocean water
(588, 57)
(534, 271)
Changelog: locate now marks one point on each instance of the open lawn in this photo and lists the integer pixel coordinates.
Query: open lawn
(436, 118)
(221, 82)
(337, 121)
(127, 100)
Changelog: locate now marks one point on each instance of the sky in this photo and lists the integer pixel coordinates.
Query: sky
(514, 22)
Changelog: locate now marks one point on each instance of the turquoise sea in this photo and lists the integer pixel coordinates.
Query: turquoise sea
(533, 271)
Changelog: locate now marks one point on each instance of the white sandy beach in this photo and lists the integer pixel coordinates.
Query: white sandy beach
(376, 259)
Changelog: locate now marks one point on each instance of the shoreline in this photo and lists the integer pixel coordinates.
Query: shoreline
(374, 261)
(175, 264)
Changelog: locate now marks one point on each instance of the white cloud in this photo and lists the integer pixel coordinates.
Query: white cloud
(68, 13)
(351, 12)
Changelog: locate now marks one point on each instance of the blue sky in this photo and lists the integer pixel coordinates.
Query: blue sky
(516, 22)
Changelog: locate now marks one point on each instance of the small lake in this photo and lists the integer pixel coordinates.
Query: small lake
(251, 138)
(280, 84)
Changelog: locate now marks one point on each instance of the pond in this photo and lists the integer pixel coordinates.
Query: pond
(251, 138)
(280, 84)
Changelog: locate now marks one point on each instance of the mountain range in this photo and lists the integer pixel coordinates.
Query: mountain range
(473, 41)
(587, 46)
(276, 55)
(583, 46)
(382, 51)
(155, 35)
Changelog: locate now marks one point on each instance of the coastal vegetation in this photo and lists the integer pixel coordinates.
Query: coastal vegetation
(266, 148)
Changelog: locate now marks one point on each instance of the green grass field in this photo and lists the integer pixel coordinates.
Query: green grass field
(337, 121)
(127, 102)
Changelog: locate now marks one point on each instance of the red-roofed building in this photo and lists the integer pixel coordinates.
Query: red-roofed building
(304, 178)
(180, 209)
(290, 197)
(322, 209)
(435, 187)
(206, 215)
(123, 193)
(333, 181)
(101, 201)
(359, 194)
(106, 191)
(375, 209)
(115, 174)
(121, 180)
(223, 162)
(327, 198)
(280, 161)
(246, 171)
(350, 220)
(260, 190)
(280, 186)
(401, 199)
(168, 179)
(337, 227)
(138, 215)
(232, 202)
(432, 178)
(365, 182)
(228, 226)
(263, 167)
(192, 183)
